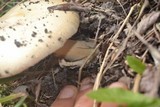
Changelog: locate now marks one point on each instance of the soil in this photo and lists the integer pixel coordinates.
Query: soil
(105, 18)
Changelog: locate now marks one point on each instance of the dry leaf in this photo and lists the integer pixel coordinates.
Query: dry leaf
(150, 82)
(147, 21)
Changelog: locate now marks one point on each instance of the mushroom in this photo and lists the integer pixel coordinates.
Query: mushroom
(29, 33)
(75, 50)
(75, 53)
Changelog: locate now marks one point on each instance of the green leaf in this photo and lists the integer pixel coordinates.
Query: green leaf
(21, 101)
(136, 64)
(122, 96)
(11, 97)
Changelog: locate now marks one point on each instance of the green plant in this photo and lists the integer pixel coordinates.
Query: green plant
(136, 64)
(121, 96)
(6, 5)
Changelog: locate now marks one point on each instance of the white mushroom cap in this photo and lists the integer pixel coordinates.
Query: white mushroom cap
(29, 33)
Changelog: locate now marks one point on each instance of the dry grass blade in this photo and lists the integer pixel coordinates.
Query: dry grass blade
(103, 69)
(98, 28)
(122, 7)
(87, 60)
(145, 4)
(154, 52)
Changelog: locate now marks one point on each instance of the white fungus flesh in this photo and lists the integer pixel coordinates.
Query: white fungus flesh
(29, 33)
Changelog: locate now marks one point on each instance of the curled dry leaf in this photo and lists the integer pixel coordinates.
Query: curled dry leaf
(29, 33)
(147, 21)
(150, 81)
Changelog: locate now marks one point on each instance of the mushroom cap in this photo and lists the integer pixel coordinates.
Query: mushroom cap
(29, 33)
